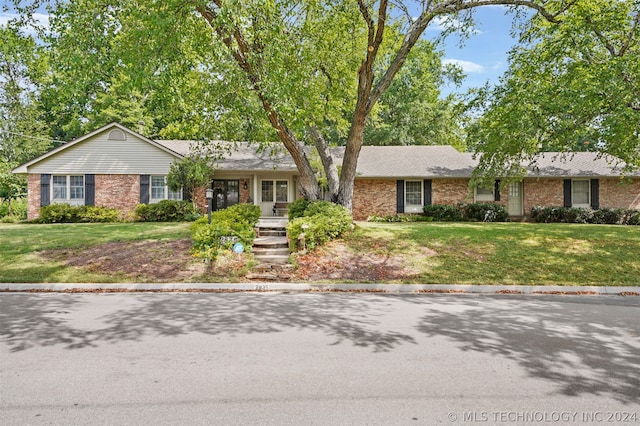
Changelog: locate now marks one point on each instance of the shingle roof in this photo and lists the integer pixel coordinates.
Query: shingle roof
(413, 161)
(553, 164)
(239, 156)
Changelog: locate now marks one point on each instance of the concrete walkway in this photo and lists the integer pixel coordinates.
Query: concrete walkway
(306, 287)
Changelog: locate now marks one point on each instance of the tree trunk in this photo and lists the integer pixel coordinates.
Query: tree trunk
(328, 162)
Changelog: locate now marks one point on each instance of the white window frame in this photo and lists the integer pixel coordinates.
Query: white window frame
(167, 194)
(573, 186)
(70, 195)
(482, 195)
(413, 208)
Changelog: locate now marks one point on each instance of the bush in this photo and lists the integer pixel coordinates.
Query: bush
(443, 212)
(297, 208)
(585, 215)
(64, 213)
(321, 222)
(474, 212)
(229, 226)
(166, 211)
(484, 212)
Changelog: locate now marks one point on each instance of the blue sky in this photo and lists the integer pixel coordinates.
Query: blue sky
(483, 56)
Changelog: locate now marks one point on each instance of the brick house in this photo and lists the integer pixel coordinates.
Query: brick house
(116, 167)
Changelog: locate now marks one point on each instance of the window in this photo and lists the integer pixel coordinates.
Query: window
(267, 190)
(413, 193)
(68, 189)
(580, 193)
(282, 191)
(413, 196)
(484, 194)
(160, 190)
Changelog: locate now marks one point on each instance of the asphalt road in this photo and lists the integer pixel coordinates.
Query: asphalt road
(318, 358)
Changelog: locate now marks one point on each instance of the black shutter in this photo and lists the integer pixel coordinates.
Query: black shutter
(45, 190)
(567, 193)
(595, 194)
(427, 188)
(144, 189)
(496, 191)
(400, 196)
(89, 190)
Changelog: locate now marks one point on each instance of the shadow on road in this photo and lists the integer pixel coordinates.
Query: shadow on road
(27, 321)
(579, 344)
(583, 345)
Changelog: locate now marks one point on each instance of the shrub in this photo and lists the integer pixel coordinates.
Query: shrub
(166, 211)
(229, 226)
(585, 215)
(297, 208)
(631, 217)
(64, 213)
(484, 212)
(321, 222)
(443, 212)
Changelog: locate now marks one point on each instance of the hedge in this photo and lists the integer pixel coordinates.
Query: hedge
(166, 211)
(607, 216)
(64, 213)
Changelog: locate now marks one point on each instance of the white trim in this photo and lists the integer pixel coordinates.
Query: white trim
(414, 208)
(67, 188)
(581, 205)
(165, 190)
(483, 198)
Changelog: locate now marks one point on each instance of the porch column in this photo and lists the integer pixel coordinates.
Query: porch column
(255, 190)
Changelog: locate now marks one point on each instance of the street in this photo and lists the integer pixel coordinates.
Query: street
(318, 358)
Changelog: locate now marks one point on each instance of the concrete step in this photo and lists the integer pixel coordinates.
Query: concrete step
(270, 242)
(272, 258)
(260, 251)
(272, 232)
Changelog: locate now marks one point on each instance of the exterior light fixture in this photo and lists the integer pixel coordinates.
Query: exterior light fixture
(208, 194)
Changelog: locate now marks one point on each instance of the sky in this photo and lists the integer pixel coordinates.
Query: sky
(483, 56)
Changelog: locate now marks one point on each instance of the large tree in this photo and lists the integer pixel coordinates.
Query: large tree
(306, 63)
(23, 134)
(570, 87)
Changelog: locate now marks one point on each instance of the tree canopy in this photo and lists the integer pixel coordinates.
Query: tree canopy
(573, 86)
(301, 71)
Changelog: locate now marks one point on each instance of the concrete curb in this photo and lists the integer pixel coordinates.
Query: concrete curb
(305, 287)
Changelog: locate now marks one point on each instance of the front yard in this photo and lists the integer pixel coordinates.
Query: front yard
(442, 253)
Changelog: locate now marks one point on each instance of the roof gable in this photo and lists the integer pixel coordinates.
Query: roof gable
(110, 149)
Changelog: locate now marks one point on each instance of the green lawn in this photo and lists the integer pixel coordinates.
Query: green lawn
(510, 253)
(443, 253)
(20, 246)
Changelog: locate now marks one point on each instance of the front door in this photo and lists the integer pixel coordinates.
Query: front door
(515, 199)
(226, 192)
(271, 192)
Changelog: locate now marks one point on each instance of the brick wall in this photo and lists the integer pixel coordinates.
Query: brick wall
(451, 191)
(542, 192)
(373, 196)
(121, 192)
(616, 193)
(33, 198)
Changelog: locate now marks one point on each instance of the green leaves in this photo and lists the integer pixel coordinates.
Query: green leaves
(575, 87)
